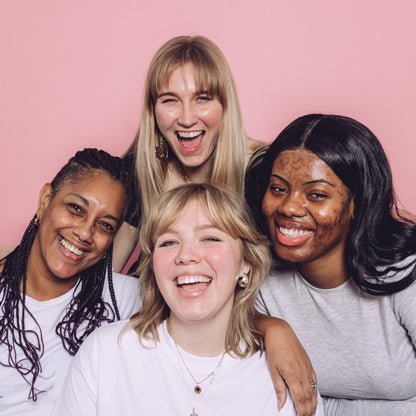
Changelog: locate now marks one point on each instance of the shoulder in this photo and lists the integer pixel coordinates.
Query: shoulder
(124, 282)
(126, 292)
(253, 146)
(281, 273)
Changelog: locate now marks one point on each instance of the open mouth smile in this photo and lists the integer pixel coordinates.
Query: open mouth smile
(292, 236)
(193, 283)
(190, 141)
(67, 245)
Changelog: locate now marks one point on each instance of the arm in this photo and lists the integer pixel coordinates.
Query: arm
(5, 250)
(125, 242)
(288, 364)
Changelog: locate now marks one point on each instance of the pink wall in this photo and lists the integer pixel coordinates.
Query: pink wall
(72, 74)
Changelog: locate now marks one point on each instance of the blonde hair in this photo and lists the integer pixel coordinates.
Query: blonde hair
(212, 75)
(228, 212)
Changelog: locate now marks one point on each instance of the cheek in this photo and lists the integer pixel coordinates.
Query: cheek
(161, 263)
(213, 116)
(268, 206)
(163, 118)
(334, 221)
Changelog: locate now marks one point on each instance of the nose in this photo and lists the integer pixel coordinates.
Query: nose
(187, 254)
(84, 230)
(293, 205)
(187, 116)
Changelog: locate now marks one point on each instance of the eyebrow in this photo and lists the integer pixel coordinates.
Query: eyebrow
(197, 92)
(166, 93)
(86, 202)
(199, 228)
(305, 183)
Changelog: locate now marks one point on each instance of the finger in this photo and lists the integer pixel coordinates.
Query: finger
(281, 391)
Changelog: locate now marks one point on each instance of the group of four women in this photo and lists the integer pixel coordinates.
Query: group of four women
(342, 263)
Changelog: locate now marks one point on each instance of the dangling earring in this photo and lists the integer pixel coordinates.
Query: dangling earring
(37, 221)
(162, 151)
(243, 280)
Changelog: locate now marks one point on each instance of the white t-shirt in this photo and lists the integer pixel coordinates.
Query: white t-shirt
(55, 361)
(111, 376)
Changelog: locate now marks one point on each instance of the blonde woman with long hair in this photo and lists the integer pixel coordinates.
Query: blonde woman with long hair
(190, 130)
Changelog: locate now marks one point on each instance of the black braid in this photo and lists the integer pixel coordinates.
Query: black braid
(87, 307)
(14, 314)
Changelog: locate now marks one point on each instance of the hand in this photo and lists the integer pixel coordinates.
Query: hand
(288, 365)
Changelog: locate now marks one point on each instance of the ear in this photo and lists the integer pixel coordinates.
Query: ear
(45, 197)
(246, 268)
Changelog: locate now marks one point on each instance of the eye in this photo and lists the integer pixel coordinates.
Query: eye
(204, 98)
(277, 189)
(210, 239)
(166, 243)
(317, 196)
(167, 99)
(75, 208)
(107, 227)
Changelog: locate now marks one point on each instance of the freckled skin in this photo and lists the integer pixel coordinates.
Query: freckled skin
(305, 194)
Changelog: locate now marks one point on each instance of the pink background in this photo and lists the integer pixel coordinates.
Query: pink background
(72, 75)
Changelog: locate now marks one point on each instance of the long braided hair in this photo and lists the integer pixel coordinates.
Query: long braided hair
(87, 309)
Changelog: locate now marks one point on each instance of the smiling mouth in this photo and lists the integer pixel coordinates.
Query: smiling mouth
(190, 140)
(294, 233)
(292, 236)
(193, 283)
(67, 245)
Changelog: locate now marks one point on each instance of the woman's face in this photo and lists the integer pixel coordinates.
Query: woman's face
(77, 225)
(189, 119)
(307, 209)
(196, 266)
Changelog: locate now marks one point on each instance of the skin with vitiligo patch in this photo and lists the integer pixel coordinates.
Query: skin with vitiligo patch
(308, 209)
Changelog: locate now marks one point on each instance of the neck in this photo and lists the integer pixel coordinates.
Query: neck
(325, 275)
(201, 339)
(178, 174)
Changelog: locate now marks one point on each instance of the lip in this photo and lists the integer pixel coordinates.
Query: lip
(192, 284)
(71, 250)
(292, 235)
(190, 141)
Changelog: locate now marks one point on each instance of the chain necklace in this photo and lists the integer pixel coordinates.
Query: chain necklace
(182, 171)
(197, 388)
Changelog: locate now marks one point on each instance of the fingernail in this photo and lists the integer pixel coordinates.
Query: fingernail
(279, 405)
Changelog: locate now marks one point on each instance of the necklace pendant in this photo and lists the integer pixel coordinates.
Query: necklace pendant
(197, 390)
(193, 413)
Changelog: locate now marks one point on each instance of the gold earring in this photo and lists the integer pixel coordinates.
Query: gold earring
(37, 221)
(162, 151)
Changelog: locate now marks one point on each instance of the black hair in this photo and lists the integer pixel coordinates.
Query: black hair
(379, 237)
(87, 309)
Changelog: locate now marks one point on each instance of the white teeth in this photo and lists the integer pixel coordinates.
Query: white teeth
(189, 134)
(70, 247)
(186, 280)
(291, 232)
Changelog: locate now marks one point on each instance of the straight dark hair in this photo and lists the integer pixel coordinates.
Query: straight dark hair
(379, 237)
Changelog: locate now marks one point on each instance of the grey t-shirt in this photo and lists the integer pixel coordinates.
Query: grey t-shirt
(362, 347)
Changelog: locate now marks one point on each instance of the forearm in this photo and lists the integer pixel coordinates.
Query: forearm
(125, 242)
(288, 364)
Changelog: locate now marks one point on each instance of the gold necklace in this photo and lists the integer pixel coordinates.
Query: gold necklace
(182, 171)
(197, 388)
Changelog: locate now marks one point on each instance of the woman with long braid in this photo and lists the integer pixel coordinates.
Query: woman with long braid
(57, 286)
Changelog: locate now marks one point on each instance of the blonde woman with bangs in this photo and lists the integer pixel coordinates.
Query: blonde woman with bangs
(193, 348)
(190, 130)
